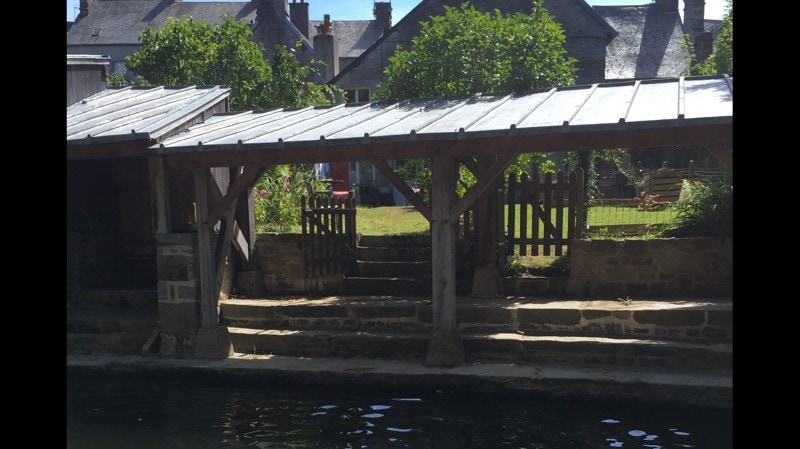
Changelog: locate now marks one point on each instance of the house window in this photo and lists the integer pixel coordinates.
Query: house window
(119, 67)
(356, 95)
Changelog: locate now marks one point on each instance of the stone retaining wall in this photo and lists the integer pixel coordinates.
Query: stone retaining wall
(277, 268)
(639, 268)
(635, 268)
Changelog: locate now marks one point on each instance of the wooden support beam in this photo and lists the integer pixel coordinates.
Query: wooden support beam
(243, 181)
(472, 165)
(246, 223)
(208, 301)
(158, 194)
(412, 197)
(443, 238)
(446, 345)
(484, 182)
(241, 242)
(226, 236)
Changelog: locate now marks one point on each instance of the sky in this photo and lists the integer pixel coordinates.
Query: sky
(362, 9)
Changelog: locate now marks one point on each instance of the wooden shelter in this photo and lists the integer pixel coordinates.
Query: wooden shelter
(484, 132)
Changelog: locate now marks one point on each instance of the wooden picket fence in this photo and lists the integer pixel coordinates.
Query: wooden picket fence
(557, 213)
(329, 235)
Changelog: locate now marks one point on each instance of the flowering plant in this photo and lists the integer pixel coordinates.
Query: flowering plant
(276, 198)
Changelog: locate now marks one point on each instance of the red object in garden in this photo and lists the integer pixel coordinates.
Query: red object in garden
(340, 179)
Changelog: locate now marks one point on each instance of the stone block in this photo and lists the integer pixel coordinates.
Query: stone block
(670, 317)
(486, 282)
(445, 348)
(491, 315)
(312, 311)
(714, 332)
(213, 343)
(179, 317)
(721, 318)
(568, 317)
(250, 284)
(589, 314)
(174, 268)
(532, 287)
(369, 312)
(601, 289)
(187, 239)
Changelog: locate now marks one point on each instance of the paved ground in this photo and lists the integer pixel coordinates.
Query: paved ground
(655, 385)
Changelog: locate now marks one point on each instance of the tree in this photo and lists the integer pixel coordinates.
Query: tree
(465, 51)
(721, 59)
(185, 52)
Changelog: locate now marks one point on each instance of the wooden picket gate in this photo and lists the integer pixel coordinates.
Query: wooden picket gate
(329, 235)
(556, 213)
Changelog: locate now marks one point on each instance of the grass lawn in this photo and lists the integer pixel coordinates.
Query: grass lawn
(400, 220)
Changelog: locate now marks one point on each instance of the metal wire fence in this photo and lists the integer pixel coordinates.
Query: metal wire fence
(638, 201)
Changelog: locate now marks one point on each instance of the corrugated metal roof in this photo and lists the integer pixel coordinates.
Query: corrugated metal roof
(88, 60)
(134, 113)
(648, 104)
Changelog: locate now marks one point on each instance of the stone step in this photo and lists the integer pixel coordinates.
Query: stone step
(417, 269)
(687, 319)
(395, 241)
(97, 323)
(393, 254)
(98, 300)
(398, 286)
(491, 347)
(120, 343)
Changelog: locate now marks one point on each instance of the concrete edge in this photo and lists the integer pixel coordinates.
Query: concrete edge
(640, 386)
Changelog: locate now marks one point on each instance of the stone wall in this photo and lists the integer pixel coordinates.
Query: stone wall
(277, 268)
(639, 268)
(178, 293)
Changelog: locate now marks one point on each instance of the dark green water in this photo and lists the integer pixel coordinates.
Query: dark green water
(123, 413)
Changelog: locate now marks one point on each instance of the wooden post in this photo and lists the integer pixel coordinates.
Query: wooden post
(213, 341)
(486, 278)
(158, 194)
(445, 347)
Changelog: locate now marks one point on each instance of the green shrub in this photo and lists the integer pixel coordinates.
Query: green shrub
(704, 210)
(276, 198)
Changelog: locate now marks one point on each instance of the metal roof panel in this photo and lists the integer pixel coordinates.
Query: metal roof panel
(138, 113)
(585, 108)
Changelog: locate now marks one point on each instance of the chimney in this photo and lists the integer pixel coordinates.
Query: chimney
(694, 16)
(83, 7)
(667, 5)
(298, 13)
(326, 49)
(703, 45)
(383, 15)
(271, 9)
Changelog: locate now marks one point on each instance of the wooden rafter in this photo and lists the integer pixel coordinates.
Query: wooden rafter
(238, 238)
(484, 182)
(242, 182)
(412, 197)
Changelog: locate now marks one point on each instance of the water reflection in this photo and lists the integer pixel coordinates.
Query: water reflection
(125, 413)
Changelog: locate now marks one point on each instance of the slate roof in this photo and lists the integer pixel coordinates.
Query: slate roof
(114, 22)
(649, 43)
(354, 36)
(421, 12)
